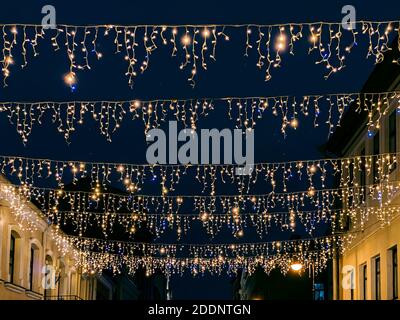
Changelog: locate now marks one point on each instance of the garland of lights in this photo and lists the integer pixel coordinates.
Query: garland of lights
(203, 250)
(94, 262)
(52, 201)
(132, 177)
(213, 258)
(157, 224)
(244, 111)
(26, 218)
(195, 44)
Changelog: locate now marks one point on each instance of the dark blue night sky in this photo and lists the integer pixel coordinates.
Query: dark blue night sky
(231, 75)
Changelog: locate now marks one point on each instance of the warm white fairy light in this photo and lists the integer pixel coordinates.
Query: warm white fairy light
(204, 250)
(95, 255)
(275, 176)
(25, 216)
(329, 40)
(246, 111)
(168, 209)
(95, 262)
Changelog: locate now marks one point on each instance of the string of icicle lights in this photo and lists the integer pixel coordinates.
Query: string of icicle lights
(181, 223)
(95, 255)
(94, 262)
(325, 109)
(52, 201)
(207, 250)
(275, 176)
(195, 45)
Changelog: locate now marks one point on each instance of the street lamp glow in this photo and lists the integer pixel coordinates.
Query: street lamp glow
(296, 266)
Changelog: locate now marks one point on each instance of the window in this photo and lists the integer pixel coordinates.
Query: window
(319, 292)
(375, 149)
(364, 281)
(352, 288)
(12, 258)
(377, 278)
(392, 136)
(31, 264)
(395, 280)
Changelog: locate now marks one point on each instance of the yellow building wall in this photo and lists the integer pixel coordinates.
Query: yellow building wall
(367, 247)
(70, 284)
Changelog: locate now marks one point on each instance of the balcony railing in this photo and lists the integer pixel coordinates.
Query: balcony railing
(63, 297)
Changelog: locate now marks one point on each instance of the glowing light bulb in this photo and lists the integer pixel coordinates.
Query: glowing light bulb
(281, 42)
(313, 38)
(9, 60)
(206, 33)
(136, 104)
(294, 123)
(186, 40)
(70, 79)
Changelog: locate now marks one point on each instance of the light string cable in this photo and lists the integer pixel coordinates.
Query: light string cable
(158, 224)
(281, 256)
(96, 262)
(202, 250)
(324, 109)
(93, 262)
(276, 176)
(195, 45)
(51, 201)
(95, 256)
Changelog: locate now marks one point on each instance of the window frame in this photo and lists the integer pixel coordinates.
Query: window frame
(394, 275)
(11, 262)
(31, 268)
(377, 278)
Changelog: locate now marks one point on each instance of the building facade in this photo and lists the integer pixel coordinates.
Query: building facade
(368, 269)
(32, 266)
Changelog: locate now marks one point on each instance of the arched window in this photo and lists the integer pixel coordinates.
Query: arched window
(48, 285)
(61, 279)
(33, 266)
